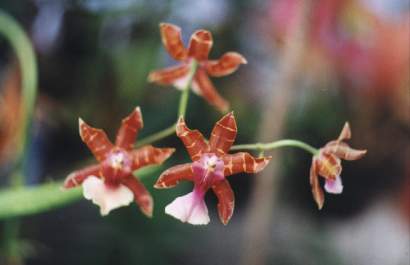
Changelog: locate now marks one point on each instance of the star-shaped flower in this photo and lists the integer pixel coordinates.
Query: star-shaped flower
(198, 49)
(209, 170)
(327, 164)
(110, 184)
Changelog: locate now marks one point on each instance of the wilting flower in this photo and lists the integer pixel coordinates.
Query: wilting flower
(111, 184)
(198, 49)
(209, 169)
(327, 164)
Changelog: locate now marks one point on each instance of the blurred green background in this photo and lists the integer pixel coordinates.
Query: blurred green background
(94, 57)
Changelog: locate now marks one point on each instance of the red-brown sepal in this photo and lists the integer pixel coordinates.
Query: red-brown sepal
(223, 134)
(141, 195)
(149, 155)
(76, 178)
(200, 45)
(128, 132)
(193, 140)
(244, 162)
(227, 64)
(317, 191)
(170, 177)
(96, 140)
(226, 200)
(172, 40)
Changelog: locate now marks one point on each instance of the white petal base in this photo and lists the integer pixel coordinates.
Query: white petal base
(190, 209)
(107, 198)
(334, 186)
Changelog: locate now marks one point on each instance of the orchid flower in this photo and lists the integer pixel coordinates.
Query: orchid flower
(111, 184)
(198, 49)
(209, 170)
(327, 163)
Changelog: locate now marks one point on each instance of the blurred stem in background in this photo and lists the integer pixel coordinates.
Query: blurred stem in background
(15, 35)
(183, 103)
(258, 220)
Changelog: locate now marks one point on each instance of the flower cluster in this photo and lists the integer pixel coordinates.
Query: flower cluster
(111, 184)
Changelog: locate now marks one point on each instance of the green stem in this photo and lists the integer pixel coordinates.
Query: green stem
(183, 102)
(277, 144)
(21, 44)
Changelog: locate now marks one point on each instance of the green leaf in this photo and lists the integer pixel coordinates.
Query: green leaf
(25, 201)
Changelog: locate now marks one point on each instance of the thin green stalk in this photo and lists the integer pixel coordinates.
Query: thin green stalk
(277, 144)
(183, 102)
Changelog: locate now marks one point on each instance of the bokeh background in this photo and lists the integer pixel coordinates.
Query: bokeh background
(312, 65)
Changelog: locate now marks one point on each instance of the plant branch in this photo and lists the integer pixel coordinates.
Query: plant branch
(277, 144)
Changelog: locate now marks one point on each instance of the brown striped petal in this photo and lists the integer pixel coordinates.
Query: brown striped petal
(227, 64)
(96, 140)
(223, 134)
(141, 195)
(346, 133)
(209, 92)
(200, 45)
(193, 140)
(328, 165)
(344, 151)
(128, 131)
(243, 162)
(149, 155)
(77, 177)
(226, 200)
(170, 177)
(171, 38)
(317, 191)
(170, 75)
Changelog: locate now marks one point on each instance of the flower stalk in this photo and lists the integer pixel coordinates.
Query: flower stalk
(277, 144)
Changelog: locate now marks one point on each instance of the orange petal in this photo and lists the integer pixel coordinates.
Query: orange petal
(346, 133)
(170, 177)
(328, 165)
(141, 195)
(243, 162)
(77, 177)
(128, 131)
(316, 189)
(344, 151)
(193, 140)
(171, 38)
(208, 91)
(149, 155)
(96, 140)
(170, 75)
(226, 200)
(227, 64)
(223, 134)
(200, 45)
